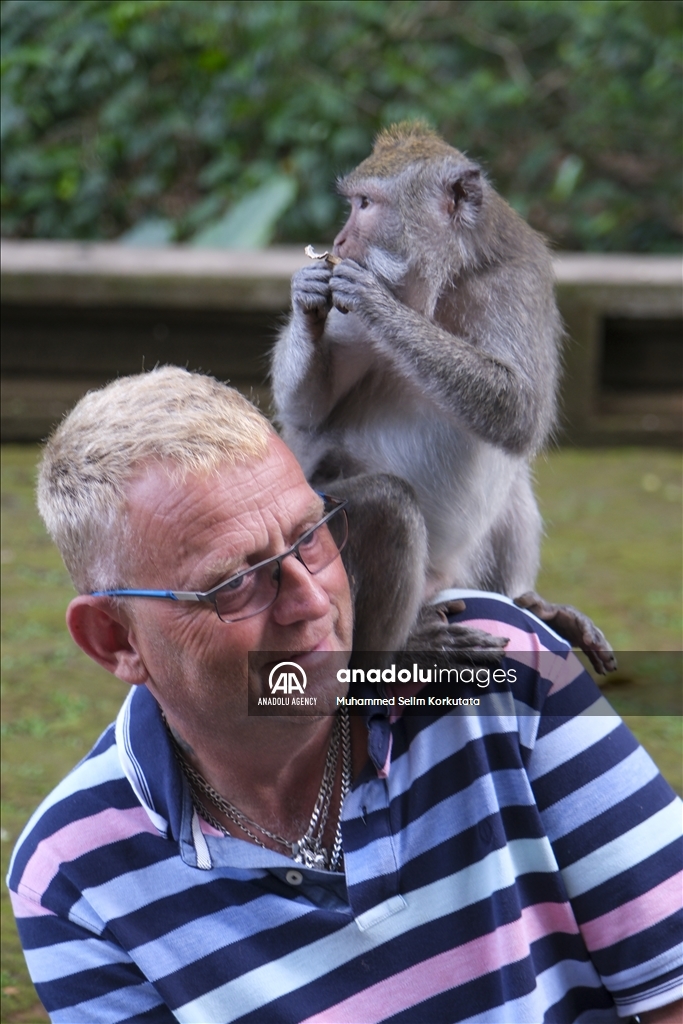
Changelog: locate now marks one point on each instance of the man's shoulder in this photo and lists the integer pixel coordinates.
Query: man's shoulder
(499, 615)
(94, 789)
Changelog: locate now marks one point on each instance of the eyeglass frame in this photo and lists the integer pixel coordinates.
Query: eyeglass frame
(208, 596)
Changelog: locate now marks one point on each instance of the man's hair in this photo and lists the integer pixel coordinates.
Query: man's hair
(191, 422)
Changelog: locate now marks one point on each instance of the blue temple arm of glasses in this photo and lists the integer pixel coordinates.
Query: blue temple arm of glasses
(173, 595)
(329, 497)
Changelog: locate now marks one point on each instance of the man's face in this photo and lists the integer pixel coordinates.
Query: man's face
(196, 534)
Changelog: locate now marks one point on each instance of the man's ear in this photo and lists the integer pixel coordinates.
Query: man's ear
(100, 629)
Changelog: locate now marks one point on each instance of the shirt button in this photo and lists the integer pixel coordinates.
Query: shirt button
(294, 877)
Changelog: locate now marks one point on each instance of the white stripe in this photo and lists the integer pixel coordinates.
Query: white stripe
(486, 795)
(460, 593)
(656, 990)
(121, 1004)
(308, 963)
(197, 938)
(653, 1002)
(626, 851)
(65, 958)
(599, 795)
(201, 846)
(132, 768)
(572, 738)
(443, 739)
(135, 889)
(640, 974)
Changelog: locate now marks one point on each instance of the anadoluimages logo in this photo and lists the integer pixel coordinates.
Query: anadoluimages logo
(287, 677)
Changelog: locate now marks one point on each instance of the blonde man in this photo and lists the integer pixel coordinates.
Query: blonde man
(204, 864)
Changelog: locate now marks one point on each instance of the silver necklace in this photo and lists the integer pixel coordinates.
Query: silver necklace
(309, 849)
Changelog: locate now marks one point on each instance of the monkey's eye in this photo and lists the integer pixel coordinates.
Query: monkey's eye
(364, 202)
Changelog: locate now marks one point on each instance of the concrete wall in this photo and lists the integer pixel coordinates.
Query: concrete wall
(75, 315)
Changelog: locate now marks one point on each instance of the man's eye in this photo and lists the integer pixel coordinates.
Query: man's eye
(235, 584)
(309, 539)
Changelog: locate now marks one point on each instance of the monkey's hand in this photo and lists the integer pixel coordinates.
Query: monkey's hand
(446, 641)
(575, 627)
(311, 296)
(356, 289)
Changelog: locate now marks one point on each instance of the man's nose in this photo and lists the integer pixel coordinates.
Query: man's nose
(302, 595)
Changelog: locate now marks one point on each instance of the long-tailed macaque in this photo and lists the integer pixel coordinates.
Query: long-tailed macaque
(418, 378)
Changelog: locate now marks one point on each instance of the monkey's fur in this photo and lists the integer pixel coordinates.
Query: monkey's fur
(425, 399)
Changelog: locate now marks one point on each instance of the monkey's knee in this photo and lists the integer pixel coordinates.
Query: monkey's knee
(386, 556)
(386, 507)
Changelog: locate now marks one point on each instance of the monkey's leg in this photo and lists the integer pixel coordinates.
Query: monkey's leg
(575, 627)
(385, 557)
(434, 639)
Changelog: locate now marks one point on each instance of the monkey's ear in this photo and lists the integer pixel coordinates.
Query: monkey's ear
(464, 195)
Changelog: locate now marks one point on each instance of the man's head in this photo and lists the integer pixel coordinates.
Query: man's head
(190, 422)
(173, 481)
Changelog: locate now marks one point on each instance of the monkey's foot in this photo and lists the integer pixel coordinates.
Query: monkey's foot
(446, 641)
(575, 627)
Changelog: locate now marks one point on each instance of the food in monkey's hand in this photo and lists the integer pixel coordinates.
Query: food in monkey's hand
(330, 257)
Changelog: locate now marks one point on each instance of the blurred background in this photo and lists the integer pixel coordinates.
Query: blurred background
(226, 123)
(163, 164)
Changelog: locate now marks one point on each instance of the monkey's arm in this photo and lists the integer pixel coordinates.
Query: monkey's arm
(317, 358)
(575, 627)
(301, 367)
(499, 399)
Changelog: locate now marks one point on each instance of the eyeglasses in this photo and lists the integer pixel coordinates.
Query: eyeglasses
(255, 589)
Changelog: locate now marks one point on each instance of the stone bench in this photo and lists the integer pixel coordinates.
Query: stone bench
(77, 314)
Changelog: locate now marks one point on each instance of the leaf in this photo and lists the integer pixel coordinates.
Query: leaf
(568, 174)
(149, 231)
(251, 222)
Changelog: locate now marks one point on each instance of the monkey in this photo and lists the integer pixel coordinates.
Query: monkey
(417, 376)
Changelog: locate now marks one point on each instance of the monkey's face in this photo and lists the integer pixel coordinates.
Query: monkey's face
(373, 235)
(363, 227)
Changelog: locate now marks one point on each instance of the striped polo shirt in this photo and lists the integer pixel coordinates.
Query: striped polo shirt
(517, 863)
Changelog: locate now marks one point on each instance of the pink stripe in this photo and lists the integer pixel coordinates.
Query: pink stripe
(78, 838)
(506, 945)
(27, 908)
(209, 830)
(545, 918)
(564, 672)
(631, 918)
(519, 639)
(527, 648)
(523, 647)
(383, 772)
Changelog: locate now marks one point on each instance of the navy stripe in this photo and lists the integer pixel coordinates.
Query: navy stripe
(576, 1001)
(580, 770)
(635, 881)
(658, 938)
(613, 822)
(92, 984)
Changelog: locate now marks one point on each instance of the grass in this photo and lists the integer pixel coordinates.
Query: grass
(612, 547)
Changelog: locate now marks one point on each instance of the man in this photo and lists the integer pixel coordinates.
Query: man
(203, 864)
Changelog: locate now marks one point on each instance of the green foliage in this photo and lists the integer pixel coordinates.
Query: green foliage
(166, 114)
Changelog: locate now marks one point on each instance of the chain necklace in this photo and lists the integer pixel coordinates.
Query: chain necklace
(309, 849)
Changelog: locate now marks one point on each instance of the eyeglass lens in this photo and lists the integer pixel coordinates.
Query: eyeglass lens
(253, 592)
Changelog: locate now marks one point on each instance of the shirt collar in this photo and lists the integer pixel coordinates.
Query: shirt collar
(155, 776)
